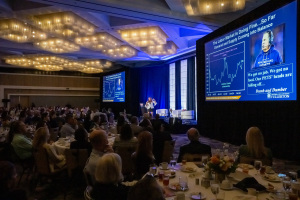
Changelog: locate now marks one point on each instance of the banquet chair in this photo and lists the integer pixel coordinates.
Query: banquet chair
(43, 170)
(127, 163)
(76, 160)
(168, 150)
(250, 160)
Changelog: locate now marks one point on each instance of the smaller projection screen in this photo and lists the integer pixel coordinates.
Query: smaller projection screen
(114, 87)
(255, 62)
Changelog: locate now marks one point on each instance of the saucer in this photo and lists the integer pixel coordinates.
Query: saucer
(195, 196)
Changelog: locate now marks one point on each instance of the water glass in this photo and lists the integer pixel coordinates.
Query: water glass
(215, 188)
(257, 165)
(183, 182)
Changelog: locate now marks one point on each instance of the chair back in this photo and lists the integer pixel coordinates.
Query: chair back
(250, 160)
(125, 154)
(42, 161)
(194, 157)
(76, 160)
(168, 150)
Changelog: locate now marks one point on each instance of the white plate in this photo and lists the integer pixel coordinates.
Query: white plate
(227, 188)
(238, 176)
(241, 165)
(195, 196)
(189, 170)
(271, 172)
(164, 169)
(244, 197)
(272, 178)
(176, 187)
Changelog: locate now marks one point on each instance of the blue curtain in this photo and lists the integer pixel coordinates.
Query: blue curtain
(177, 86)
(191, 103)
(154, 82)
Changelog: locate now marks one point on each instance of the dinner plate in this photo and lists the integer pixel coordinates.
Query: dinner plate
(244, 197)
(241, 165)
(176, 187)
(188, 170)
(274, 196)
(195, 196)
(226, 188)
(271, 172)
(272, 178)
(164, 169)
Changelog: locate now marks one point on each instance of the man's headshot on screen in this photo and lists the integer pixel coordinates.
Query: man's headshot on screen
(268, 55)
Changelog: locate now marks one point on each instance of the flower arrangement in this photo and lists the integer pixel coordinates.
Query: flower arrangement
(225, 165)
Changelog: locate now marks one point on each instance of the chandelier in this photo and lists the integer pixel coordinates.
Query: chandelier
(206, 7)
(57, 45)
(18, 31)
(91, 70)
(162, 49)
(142, 37)
(97, 63)
(58, 63)
(121, 52)
(49, 67)
(65, 24)
(99, 41)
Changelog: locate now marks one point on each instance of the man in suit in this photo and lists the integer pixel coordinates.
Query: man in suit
(194, 147)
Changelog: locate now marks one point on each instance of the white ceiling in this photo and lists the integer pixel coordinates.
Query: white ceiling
(112, 15)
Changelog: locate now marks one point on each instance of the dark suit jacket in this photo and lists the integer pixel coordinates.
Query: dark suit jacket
(194, 147)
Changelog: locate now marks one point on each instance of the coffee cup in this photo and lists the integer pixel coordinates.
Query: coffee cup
(251, 191)
(163, 165)
(268, 169)
(226, 184)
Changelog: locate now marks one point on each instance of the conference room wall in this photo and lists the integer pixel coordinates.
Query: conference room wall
(54, 87)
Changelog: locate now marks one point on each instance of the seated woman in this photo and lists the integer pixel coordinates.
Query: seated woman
(8, 176)
(255, 148)
(40, 139)
(81, 140)
(108, 179)
(143, 156)
(126, 138)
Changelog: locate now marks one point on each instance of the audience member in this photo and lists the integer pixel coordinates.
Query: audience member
(68, 129)
(120, 122)
(146, 125)
(100, 145)
(255, 146)
(108, 177)
(159, 138)
(126, 138)
(95, 124)
(39, 143)
(143, 156)
(20, 142)
(81, 140)
(146, 189)
(8, 177)
(136, 129)
(194, 147)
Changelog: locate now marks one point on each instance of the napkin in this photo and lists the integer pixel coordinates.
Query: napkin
(249, 182)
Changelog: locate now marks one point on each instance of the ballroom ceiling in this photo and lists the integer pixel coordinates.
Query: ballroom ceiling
(113, 15)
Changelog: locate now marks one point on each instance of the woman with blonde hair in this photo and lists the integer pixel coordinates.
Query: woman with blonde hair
(255, 148)
(39, 143)
(143, 156)
(108, 179)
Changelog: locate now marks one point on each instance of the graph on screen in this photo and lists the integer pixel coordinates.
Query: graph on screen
(225, 69)
(109, 91)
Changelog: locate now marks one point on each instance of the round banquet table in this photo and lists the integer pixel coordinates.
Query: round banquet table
(234, 194)
(62, 146)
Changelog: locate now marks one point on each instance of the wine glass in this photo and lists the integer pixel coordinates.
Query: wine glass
(173, 161)
(286, 182)
(257, 165)
(215, 188)
(204, 160)
(183, 182)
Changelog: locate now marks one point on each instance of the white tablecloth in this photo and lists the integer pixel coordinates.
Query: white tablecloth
(62, 146)
(229, 194)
